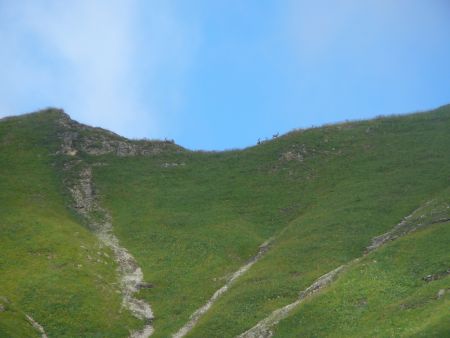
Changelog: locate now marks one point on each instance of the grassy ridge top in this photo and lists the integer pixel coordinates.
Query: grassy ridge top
(193, 218)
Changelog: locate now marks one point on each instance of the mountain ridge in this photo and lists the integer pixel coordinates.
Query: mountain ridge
(62, 115)
(191, 219)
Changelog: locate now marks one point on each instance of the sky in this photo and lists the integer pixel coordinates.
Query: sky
(217, 75)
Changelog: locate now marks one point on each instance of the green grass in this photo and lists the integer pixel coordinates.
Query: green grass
(192, 225)
(189, 227)
(13, 322)
(376, 180)
(323, 193)
(384, 295)
(45, 270)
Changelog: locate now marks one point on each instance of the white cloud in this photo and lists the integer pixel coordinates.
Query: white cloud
(93, 59)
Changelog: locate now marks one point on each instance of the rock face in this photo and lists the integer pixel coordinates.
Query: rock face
(296, 153)
(76, 137)
(100, 222)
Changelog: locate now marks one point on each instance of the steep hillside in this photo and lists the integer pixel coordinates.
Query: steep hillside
(383, 170)
(96, 229)
(51, 266)
(399, 290)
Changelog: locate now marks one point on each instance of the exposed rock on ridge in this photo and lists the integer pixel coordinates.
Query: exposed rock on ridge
(76, 137)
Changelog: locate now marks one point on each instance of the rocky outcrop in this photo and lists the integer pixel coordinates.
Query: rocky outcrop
(441, 294)
(76, 137)
(295, 153)
(436, 276)
(76, 140)
(38, 327)
(100, 222)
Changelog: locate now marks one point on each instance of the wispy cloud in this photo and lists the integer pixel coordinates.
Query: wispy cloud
(93, 58)
(146, 68)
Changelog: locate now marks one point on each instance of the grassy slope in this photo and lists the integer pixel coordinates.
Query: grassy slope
(384, 295)
(44, 266)
(189, 226)
(380, 177)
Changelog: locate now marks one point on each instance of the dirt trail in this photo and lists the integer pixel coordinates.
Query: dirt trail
(130, 274)
(264, 328)
(202, 310)
(38, 327)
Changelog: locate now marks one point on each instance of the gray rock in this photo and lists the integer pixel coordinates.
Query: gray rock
(428, 278)
(144, 285)
(76, 137)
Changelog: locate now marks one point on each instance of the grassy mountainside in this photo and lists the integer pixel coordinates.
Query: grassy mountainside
(51, 266)
(386, 169)
(396, 291)
(191, 219)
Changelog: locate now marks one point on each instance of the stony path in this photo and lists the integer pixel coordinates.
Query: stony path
(38, 327)
(130, 274)
(399, 230)
(195, 317)
(264, 328)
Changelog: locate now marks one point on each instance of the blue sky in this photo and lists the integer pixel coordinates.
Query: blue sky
(221, 74)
